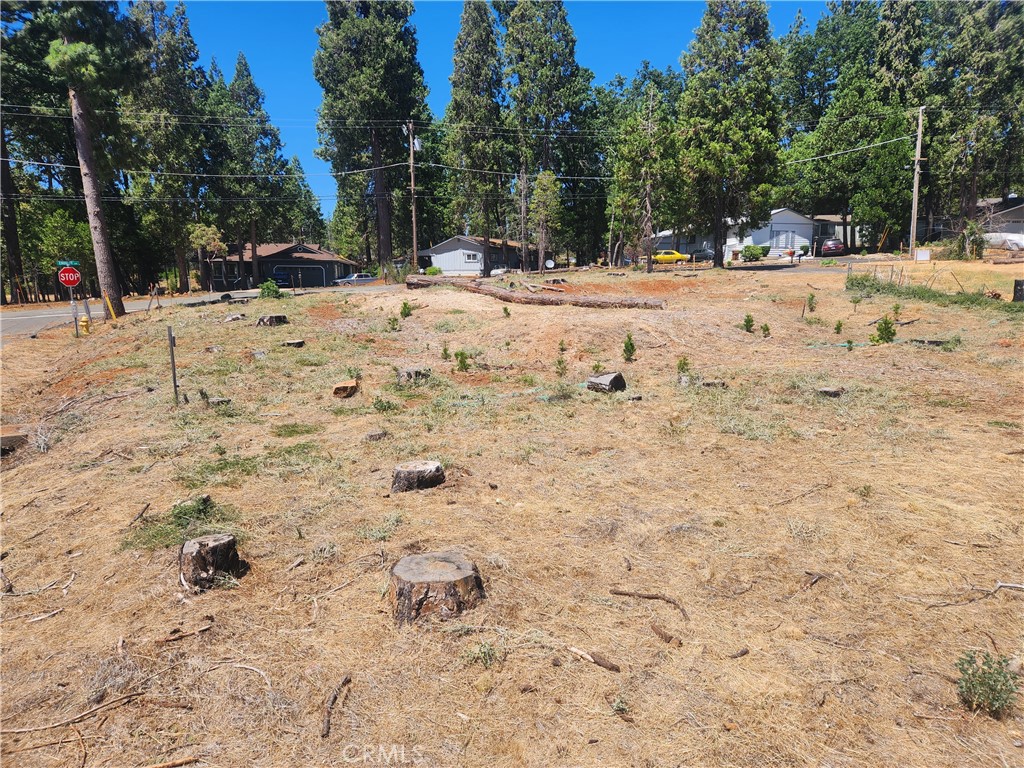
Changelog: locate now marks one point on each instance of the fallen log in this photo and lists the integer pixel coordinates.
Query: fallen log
(596, 302)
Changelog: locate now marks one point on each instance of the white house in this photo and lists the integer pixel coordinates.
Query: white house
(462, 255)
(787, 230)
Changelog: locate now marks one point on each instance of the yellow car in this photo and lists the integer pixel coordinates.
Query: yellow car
(670, 257)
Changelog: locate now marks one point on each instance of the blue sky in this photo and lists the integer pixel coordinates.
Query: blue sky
(279, 40)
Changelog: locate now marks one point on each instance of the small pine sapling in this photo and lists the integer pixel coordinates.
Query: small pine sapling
(812, 302)
(839, 327)
(560, 366)
(406, 310)
(461, 361)
(748, 323)
(765, 330)
(445, 354)
(505, 311)
(885, 331)
(628, 348)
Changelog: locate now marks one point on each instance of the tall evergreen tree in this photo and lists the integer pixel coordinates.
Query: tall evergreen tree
(899, 51)
(373, 84)
(91, 52)
(475, 142)
(728, 124)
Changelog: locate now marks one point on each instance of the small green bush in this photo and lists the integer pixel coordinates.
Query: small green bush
(196, 517)
(805, 249)
(812, 302)
(560, 366)
(597, 367)
(406, 310)
(752, 253)
(885, 331)
(748, 323)
(838, 327)
(849, 345)
(765, 330)
(269, 290)
(562, 346)
(433, 271)
(380, 405)
(393, 324)
(986, 684)
(683, 365)
(506, 312)
(897, 309)
(445, 354)
(461, 361)
(628, 348)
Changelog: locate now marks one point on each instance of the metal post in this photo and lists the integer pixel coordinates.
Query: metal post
(412, 197)
(917, 183)
(174, 371)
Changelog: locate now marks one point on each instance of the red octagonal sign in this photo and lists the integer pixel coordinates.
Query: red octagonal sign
(69, 276)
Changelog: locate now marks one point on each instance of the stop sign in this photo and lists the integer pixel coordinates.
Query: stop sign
(69, 276)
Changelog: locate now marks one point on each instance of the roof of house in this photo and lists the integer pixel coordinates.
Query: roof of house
(1015, 214)
(287, 251)
(475, 240)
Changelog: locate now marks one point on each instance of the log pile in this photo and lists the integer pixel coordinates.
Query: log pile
(503, 294)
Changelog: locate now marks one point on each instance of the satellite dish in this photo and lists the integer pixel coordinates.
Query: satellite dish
(549, 264)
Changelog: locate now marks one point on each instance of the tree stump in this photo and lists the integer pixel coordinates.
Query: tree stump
(443, 584)
(13, 436)
(607, 382)
(234, 318)
(273, 320)
(714, 384)
(347, 388)
(831, 391)
(414, 475)
(412, 375)
(297, 343)
(200, 560)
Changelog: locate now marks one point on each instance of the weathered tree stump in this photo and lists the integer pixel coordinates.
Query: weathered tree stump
(347, 388)
(376, 436)
(297, 343)
(414, 475)
(831, 391)
(200, 560)
(238, 301)
(443, 584)
(607, 382)
(234, 318)
(412, 375)
(714, 384)
(272, 320)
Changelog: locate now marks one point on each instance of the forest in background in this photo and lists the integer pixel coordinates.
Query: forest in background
(121, 151)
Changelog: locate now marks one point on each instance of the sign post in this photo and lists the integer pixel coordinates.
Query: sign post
(70, 277)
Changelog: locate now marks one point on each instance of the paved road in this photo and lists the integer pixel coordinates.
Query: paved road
(18, 323)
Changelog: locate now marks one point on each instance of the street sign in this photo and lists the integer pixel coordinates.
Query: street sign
(69, 263)
(69, 276)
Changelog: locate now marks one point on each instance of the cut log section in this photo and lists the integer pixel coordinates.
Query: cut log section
(347, 388)
(273, 320)
(607, 382)
(414, 475)
(832, 391)
(596, 302)
(200, 560)
(443, 584)
(297, 343)
(13, 436)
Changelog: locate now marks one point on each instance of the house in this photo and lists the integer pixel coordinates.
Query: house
(309, 265)
(1009, 221)
(785, 230)
(464, 255)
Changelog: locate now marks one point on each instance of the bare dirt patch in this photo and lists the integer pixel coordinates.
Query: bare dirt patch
(811, 541)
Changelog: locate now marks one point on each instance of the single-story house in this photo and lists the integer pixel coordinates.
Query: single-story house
(311, 266)
(464, 255)
(785, 230)
(1010, 221)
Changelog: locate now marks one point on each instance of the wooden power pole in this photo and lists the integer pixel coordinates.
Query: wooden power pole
(412, 196)
(917, 183)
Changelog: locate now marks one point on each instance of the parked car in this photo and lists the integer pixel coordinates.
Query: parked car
(281, 279)
(669, 257)
(357, 278)
(833, 247)
(704, 253)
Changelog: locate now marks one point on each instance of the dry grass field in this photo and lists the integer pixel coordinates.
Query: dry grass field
(831, 554)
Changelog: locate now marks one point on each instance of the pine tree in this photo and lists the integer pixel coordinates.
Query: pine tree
(373, 84)
(900, 46)
(729, 126)
(545, 208)
(474, 137)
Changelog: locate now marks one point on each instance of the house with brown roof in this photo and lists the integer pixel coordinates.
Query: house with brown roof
(307, 266)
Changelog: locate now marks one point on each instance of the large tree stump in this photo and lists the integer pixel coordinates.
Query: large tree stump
(200, 560)
(347, 388)
(273, 320)
(414, 475)
(443, 584)
(607, 382)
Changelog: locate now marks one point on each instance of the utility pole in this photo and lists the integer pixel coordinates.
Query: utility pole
(917, 183)
(412, 196)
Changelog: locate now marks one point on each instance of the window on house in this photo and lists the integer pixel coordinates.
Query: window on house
(472, 257)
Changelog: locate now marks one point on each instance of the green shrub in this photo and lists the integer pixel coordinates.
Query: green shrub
(433, 271)
(380, 405)
(765, 330)
(752, 253)
(828, 263)
(628, 348)
(597, 368)
(748, 323)
(969, 244)
(849, 345)
(683, 365)
(805, 249)
(461, 361)
(896, 310)
(187, 519)
(406, 310)
(506, 312)
(393, 324)
(765, 250)
(986, 684)
(560, 366)
(562, 346)
(838, 327)
(812, 302)
(885, 331)
(269, 290)
(866, 284)
(445, 354)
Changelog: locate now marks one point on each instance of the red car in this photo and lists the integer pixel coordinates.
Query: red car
(833, 247)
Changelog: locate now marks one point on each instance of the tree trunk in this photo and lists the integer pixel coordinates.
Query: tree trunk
(648, 227)
(382, 201)
(596, 302)
(443, 584)
(180, 257)
(719, 234)
(105, 268)
(240, 245)
(524, 248)
(252, 255)
(200, 560)
(9, 212)
(417, 475)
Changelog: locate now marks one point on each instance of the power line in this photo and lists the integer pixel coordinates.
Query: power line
(848, 151)
(214, 175)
